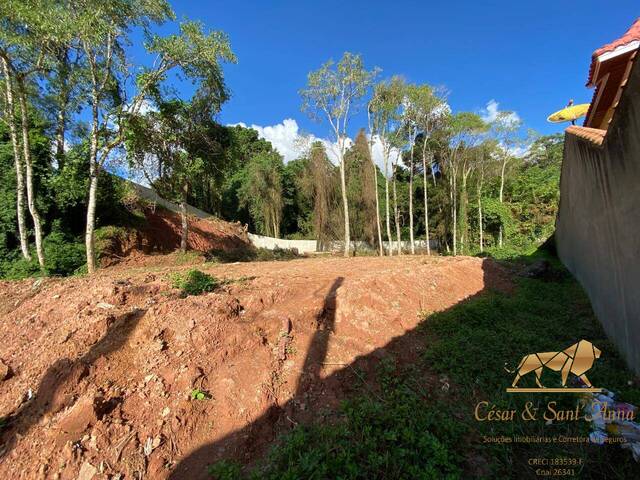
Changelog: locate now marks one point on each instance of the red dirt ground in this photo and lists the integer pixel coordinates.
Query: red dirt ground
(101, 368)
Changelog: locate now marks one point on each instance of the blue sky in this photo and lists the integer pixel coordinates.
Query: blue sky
(530, 58)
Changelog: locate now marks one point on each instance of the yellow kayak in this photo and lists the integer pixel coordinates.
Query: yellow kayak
(569, 114)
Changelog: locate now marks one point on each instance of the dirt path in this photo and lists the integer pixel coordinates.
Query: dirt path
(101, 368)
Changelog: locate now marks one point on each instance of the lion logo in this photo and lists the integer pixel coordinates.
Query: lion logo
(577, 359)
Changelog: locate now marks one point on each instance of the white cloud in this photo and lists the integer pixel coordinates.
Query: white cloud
(287, 139)
(490, 113)
(283, 136)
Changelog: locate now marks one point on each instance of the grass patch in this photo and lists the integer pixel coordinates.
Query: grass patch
(406, 432)
(390, 436)
(194, 282)
(471, 342)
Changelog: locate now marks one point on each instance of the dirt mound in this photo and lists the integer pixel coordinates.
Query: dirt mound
(102, 370)
(160, 234)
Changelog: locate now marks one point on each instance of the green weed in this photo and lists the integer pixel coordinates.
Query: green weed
(194, 282)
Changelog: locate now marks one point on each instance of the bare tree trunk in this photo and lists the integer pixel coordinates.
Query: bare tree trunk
(454, 209)
(464, 210)
(379, 230)
(501, 197)
(91, 217)
(11, 120)
(93, 190)
(184, 233)
(345, 204)
(60, 128)
(26, 148)
(481, 242)
(426, 202)
(61, 120)
(411, 241)
(396, 212)
(386, 192)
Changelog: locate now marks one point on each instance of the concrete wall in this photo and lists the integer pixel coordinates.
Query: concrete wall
(270, 243)
(150, 195)
(598, 224)
(337, 245)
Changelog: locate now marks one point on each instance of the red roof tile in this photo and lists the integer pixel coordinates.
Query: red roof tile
(631, 35)
(594, 135)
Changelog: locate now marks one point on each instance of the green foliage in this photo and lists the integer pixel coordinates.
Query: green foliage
(392, 434)
(225, 470)
(539, 316)
(277, 254)
(14, 267)
(63, 255)
(198, 394)
(496, 214)
(333, 90)
(261, 192)
(194, 282)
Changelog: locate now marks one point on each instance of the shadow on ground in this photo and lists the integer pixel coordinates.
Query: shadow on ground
(318, 397)
(57, 386)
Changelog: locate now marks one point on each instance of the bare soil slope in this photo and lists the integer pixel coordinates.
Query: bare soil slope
(101, 369)
(160, 234)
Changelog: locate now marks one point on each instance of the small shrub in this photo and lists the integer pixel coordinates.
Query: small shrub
(231, 256)
(195, 282)
(197, 394)
(225, 470)
(251, 255)
(265, 255)
(63, 256)
(16, 267)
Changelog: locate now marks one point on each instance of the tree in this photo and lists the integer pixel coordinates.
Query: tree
(24, 41)
(9, 118)
(505, 128)
(428, 111)
(334, 92)
(103, 30)
(360, 189)
(462, 129)
(262, 192)
(471, 160)
(165, 144)
(485, 155)
(384, 120)
(321, 181)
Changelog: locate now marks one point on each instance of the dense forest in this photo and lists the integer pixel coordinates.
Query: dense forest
(74, 116)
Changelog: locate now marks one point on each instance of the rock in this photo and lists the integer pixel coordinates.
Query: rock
(539, 269)
(87, 471)
(105, 305)
(77, 420)
(5, 371)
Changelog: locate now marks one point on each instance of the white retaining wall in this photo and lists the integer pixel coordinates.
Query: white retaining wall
(270, 243)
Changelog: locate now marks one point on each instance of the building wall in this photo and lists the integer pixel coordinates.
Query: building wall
(598, 224)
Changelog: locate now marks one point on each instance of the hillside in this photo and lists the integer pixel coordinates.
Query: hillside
(159, 233)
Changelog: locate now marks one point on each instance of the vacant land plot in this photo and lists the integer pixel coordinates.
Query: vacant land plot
(123, 373)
